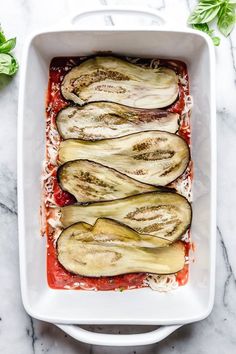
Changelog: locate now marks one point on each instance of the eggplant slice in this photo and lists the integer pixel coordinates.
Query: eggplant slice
(165, 215)
(104, 120)
(89, 181)
(115, 80)
(151, 157)
(101, 251)
(111, 232)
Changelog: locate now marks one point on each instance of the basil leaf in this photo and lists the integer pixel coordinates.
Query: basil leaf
(2, 37)
(8, 45)
(205, 11)
(8, 64)
(226, 19)
(205, 28)
(216, 41)
(201, 27)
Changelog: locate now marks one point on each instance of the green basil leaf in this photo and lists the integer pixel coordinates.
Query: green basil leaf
(7, 46)
(8, 64)
(216, 41)
(205, 11)
(2, 37)
(201, 27)
(226, 19)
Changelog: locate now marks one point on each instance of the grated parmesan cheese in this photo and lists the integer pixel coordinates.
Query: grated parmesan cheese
(52, 153)
(188, 100)
(54, 223)
(186, 237)
(162, 283)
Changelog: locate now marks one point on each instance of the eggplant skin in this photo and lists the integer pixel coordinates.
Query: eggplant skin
(165, 215)
(104, 120)
(151, 157)
(89, 181)
(115, 80)
(83, 250)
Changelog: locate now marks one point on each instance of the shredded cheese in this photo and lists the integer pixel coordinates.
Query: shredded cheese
(188, 100)
(186, 237)
(162, 283)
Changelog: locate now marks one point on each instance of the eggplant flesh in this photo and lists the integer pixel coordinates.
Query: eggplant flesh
(104, 120)
(165, 215)
(115, 80)
(90, 253)
(89, 181)
(151, 157)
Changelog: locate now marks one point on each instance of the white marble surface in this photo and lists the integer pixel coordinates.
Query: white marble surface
(23, 335)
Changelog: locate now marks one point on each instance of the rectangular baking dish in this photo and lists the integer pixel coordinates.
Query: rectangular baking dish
(188, 303)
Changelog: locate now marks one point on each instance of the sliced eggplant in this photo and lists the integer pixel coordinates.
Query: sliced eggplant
(165, 215)
(104, 120)
(115, 80)
(89, 181)
(151, 157)
(96, 254)
(111, 232)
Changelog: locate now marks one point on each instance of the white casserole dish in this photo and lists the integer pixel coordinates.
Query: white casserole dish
(189, 303)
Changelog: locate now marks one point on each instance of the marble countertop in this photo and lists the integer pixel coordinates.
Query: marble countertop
(21, 334)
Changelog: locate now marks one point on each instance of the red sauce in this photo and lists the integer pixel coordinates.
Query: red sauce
(58, 277)
(181, 69)
(182, 276)
(55, 102)
(178, 106)
(61, 197)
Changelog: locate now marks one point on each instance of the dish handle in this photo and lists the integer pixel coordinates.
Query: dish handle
(116, 10)
(118, 340)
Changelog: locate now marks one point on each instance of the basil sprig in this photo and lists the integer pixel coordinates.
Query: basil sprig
(209, 10)
(8, 64)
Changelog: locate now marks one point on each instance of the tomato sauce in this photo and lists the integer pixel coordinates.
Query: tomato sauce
(61, 197)
(58, 277)
(182, 275)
